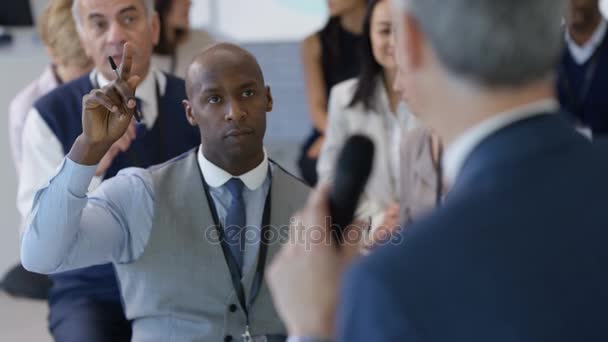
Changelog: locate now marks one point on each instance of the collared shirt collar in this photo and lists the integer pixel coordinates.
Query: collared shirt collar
(216, 177)
(581, 54)
(458, 151)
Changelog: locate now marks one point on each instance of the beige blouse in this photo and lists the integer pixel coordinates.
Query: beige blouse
(419, 179)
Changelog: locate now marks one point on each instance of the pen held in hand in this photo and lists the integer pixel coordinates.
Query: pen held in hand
(138, 115)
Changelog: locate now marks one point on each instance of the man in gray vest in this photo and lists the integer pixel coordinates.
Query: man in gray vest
(189, 238)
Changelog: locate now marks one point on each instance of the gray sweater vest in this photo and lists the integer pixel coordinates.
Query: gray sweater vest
(180, 288)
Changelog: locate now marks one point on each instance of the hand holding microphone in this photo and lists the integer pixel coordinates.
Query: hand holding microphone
(353, 168)
(305, 276)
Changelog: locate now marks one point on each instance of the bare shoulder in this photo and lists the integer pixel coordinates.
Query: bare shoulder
(311, 46)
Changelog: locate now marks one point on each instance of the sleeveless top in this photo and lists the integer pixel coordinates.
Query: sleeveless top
(340, 56)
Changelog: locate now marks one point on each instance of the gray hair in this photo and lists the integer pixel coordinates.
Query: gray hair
(148, 4)
(493, 43)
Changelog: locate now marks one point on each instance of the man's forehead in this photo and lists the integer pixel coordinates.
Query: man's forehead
(207, 80)
(217, 77)
(217, 69)
(109, 7)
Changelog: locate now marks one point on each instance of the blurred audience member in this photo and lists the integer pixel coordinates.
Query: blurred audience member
(178, 44)
(517, 250)
(422, 187)
(329, 56)
(85, 304)
(68, 61)
(368, 105)
(583, 72)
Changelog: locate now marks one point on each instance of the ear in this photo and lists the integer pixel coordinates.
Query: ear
(155, 28)
(269, 100)
(189, 115)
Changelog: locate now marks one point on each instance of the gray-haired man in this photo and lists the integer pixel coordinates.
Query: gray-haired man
(85, 304)
(517, 252)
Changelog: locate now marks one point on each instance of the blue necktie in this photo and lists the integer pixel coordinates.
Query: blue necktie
(236, 219)
(140, 127)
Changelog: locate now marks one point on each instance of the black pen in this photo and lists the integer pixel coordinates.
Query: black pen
(137, 113)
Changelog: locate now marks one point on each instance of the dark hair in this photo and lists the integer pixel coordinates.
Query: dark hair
(370, 69)
(329, 36)
(164, 46)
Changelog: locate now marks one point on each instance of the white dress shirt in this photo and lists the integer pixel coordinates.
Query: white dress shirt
(253, 195)
(581, 54)
(383, 127)
(460, 149)
(42, 152)
(20, 107)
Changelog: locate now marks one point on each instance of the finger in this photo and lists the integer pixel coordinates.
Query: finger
(112, 92)
(122, 144)
(133, 82)
(124, 70)
(98, 98)
(319, 198)
(113, 95)
(131, 132)
(126, 140)
(126, 94)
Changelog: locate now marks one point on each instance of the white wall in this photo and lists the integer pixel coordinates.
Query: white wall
(260, 20)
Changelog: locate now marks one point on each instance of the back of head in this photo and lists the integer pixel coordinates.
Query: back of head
(58, 32)
(492, 43)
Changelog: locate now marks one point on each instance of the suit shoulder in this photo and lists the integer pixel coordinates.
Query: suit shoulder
(288, 174)
(286, 179)
(174, 162)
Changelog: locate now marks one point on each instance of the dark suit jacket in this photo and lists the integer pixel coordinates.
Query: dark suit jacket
(518, 251)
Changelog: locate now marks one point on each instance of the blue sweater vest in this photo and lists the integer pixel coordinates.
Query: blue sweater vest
(170, 136)
(590, 109)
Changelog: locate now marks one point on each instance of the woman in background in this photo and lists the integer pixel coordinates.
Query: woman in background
(368, 105)
(178, 44)
(68, 61)
(57, 30)
(329, 56)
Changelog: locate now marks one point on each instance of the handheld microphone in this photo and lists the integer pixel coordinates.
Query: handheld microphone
(353, 167)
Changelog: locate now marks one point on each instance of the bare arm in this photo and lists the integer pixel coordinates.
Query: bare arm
(315, 82)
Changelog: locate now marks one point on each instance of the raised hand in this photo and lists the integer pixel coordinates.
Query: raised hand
(106, 113)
